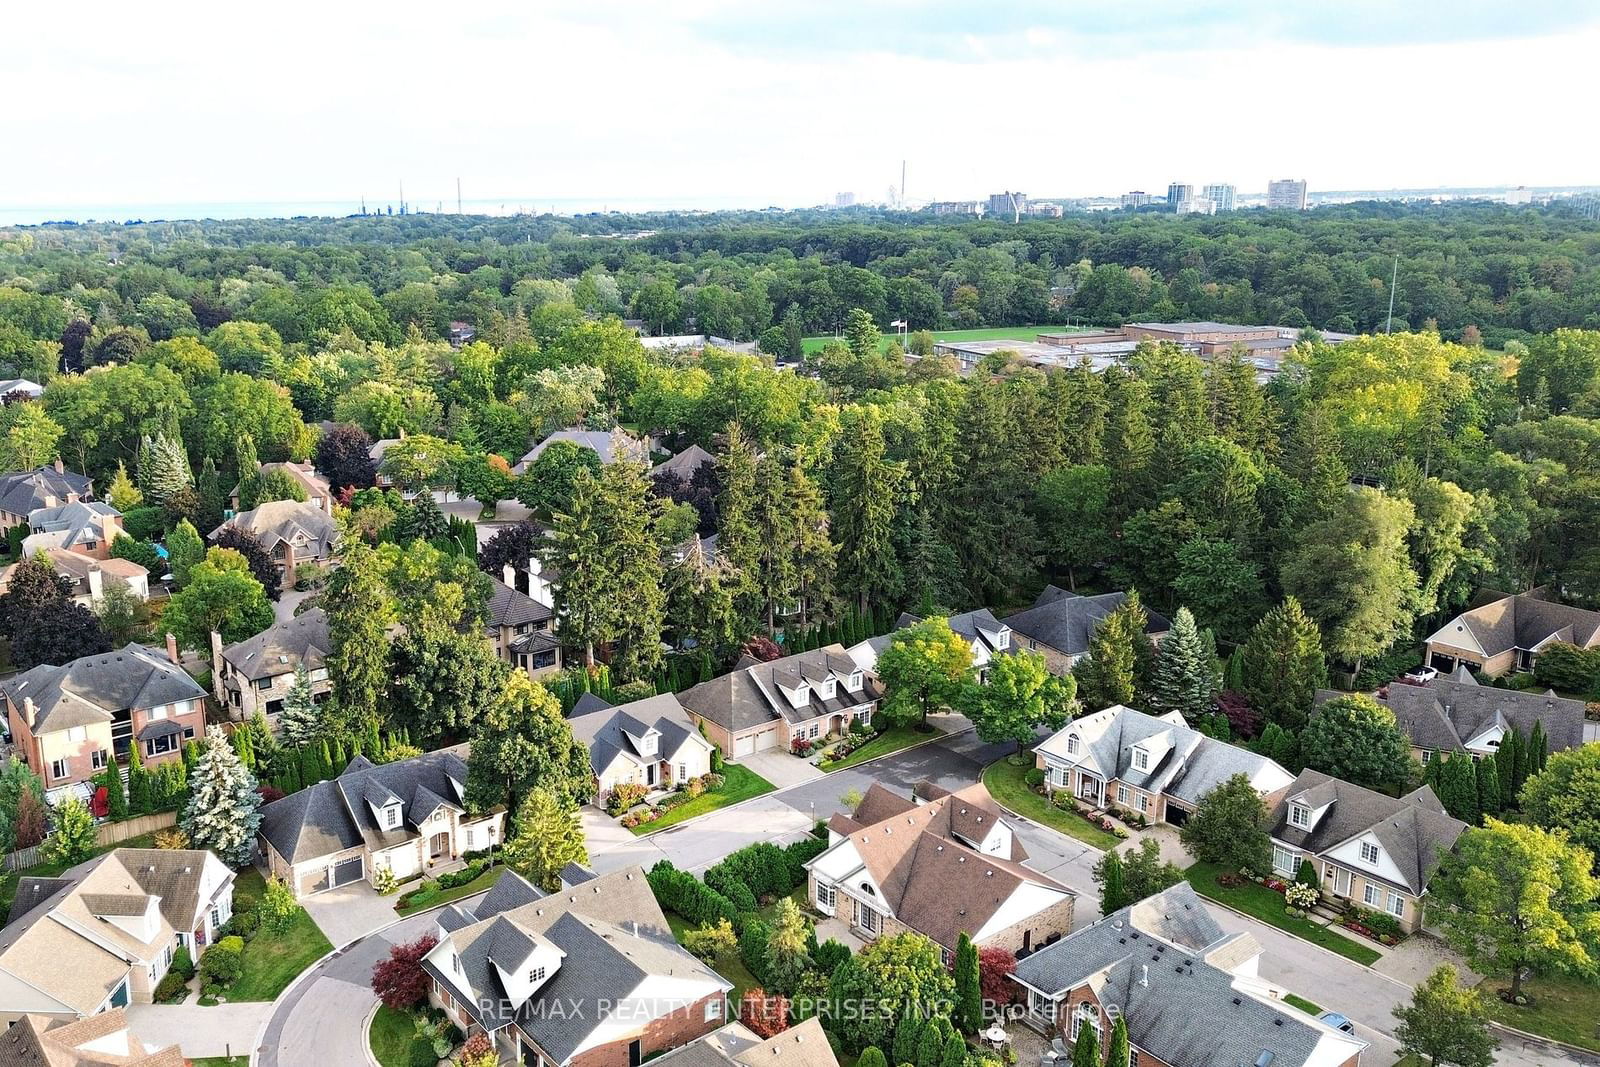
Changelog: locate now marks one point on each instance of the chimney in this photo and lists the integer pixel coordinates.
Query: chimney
(72, 498)
(508, 575)
(97, 582)
(61, 468)
(216, 663)
(30, 711)
(1144, 974)
(172, 650)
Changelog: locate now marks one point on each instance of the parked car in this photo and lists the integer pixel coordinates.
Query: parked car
(1422, 675)
(1337, 1021)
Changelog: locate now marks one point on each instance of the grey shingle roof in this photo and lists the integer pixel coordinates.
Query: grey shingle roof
(587, 704)
(511, 891)
(510, 607)
(1412, 829)
(1525, 621)
(748, 696)
(91, 689)
(1448, 712)
(309, 823)
(575, 874)
(609, 445)
(288, 520)
(298, 642)
(685, 463)
(1065, 621)
(22, 492)
(607, 730)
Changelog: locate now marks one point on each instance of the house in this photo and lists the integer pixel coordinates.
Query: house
(257, 673)
(318, 493)
(1190, 993)
(612, 446)
(511, 891)
(804, 1044)
(95, 1041)
(14, 389)
(1369, 850)
(685, 464)
(292, 532)
(522, 630)
(649, 742)
(376, 453)
(68, 722)
(771, 705)
(1507, 633)
(1455, 714)
(987, 636)
(943, 867)
(1060, 624)
(1153, 765)
(90, 575)
(24, 492)
(102, 934)
(404, 817)
(588, 977)
(84, 526)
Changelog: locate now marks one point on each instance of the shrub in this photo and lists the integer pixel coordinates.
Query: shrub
(713, 781)
(479, 1051)
(222, 961)
(244, 923)
(1307, 875)
(171, 838)
(1568, 667)
(712, 940)
(182, 963)
(623, 796)
(171, 989)
(742, 899)
(278, 909)
(437, 1033)
(1034, 778)
(767, 1014)
(384, 881)
(1299, 895)
(753, 941)
(399, 980)
(830, 954)
(682, 892)
(801, 746)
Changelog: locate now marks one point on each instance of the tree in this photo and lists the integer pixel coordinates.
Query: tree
(1108, 873)
(1020, 696)
(116, 794)
(123, 614)
(1488, 787)
(1356, 739)
(1283, 666)
(907, 1037)
(787, 958)
(73, 839)
(545, 838)
(301, 722)
(278, 908)
(1145, 873)
(1074, 506)
(1512, 897)
(268, 485)
(1352, 572)
(1086, 1049)
(163, 468)
(122, 494)
(1185, 675)
(221, 595)
(926, 666)
(223, 812)
(16, 778)
(59, 632)
(442, 680)
(343, 456)
(995, 967)
(1228, 827)
(1458, 788)
(969, 991)
(521, 742)
(359, 608)
(1118, 1050)
(861, 500)
(399, 980)
(1108, 674)
(896, 974)
(1566, 795)
(255, 555)
(185, 548)
(767, 1014)
(1446, 1023)
(930, 1047)
(550, 482)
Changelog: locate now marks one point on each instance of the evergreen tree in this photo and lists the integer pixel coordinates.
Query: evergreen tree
(212, 499)
(738, 519)
(545, 837)
(1108, 674)
(930, 1048)
(358, 606)
(163, 468)
(223, 812)
(1488, 787)
(969, 992)
(814, 555)
(1505, 764)
(955, 1052)
(184, 549)
(1086, 1050)
(787, 956)
(139, 798)
(1118, 1051)
(73, 838)
(1184, 679)
(300, 722)
(1538, 749)
(861, 498)
(116, 796)
(1108, 872)
(1281, 665)
(122, 494)
(907, 1036)
(1458, 788)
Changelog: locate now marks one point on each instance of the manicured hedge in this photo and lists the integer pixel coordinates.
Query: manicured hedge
(691, 898)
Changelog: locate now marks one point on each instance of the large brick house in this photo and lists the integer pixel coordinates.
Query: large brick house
(257, 673)
(942, 867)
(1154, 766)
(522, 629)
(1369, 850)
(1507, 633)
(587, 977)
(69, 722)
(768, 705)
(292, 532)
(404, 817)
(24, 492)
(1190, 993)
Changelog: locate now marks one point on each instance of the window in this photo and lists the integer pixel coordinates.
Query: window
(216, 916)
(1144, 802)
(855, 681)
(1122, 793)
(77, 733)
(156, 713)
(98, 759)
(469, 839)
(1371, 895)
(1397, 905)
(826, 897)
(1369, 852)
(391, 816)
(1088, 1015)
(1041, 1006)
(813, 731)
(535, 974)
(59, 768)
(1282, 860)
(1299, 816)
(713, 1009)
(1072, 744)
(157, 746)
(1427, 755)
(647, 745)
(683, 772)
(1141, 760)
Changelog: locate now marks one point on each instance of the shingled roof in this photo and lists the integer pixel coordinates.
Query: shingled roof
(512, 608)
(298, 642)
(750, 695)
(1522, 620)
(1065, 621)
(98, 1040)
(23, 492)
(609, 731)
(93, 688)
(1450, 711)
(277, 521)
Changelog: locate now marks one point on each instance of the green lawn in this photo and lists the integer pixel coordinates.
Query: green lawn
(1005, 784)
(272, 962)
(740, 784)
(8, 880)
(1267, 905)
(1565, 1009)
(727, 964)
(477, 885)
(997, 333)
(220, 1061)
(394, 1043)
(1302, 1003)
(891, 740)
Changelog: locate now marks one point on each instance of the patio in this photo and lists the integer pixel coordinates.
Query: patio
(1027, 1043)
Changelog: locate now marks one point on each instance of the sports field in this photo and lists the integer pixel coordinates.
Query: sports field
(998, 333)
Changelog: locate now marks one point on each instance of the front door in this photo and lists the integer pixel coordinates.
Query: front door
(650, 773)
(635, 1052)
(199, 936)
(439, 844)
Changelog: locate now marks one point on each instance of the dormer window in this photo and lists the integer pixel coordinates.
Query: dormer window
(828, 689)
(1141, 760)
(1299, 816)
(1003, 638)
(391, 816)
(647, 745)
(1369, 852)
(855, 681)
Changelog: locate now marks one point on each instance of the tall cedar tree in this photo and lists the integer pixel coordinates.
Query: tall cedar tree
(584, 586)
(1118, 1050)
(544, 838)
(776, 578)
(1108, 872)
(636, 617)
(1109, 673)
(223, 813)
(358, 606)
(1086, 1050)
(1282, 665)
(739, 520)
(969, 993)
(1185, 675)
(862, 496)
(816, 557)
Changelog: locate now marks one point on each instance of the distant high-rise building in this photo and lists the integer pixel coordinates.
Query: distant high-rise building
(1137, 198)
(844, 199)
(1007, 204)
(1287, 194)
(1197, 205)
(955, 207)
(1178, 192)
(1222, 195)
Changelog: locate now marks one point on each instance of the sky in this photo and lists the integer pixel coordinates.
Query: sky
(751, 102)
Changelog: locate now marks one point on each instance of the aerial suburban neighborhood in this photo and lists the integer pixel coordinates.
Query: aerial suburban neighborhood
(694, 614)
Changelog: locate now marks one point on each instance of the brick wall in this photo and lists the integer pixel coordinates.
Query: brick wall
(658, 1035)
(1056, 919)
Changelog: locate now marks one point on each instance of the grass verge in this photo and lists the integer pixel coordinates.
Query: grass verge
(1302, 1003)
(220, 1061)
(891, 740)
(739, 783)
(477, 885)
(1006, 785)
(394, 1043)
(271, 962)
(1266, 904)
(1565, 1009)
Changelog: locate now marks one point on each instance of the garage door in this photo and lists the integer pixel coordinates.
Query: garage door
(347, 871)
(767, 739)
(743, 746)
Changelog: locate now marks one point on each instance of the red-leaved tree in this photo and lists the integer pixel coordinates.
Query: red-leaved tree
(762, 648)
(765, 1014)
(995, 966)
(399, 981)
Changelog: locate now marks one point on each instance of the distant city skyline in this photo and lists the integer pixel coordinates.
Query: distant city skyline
(720, 103)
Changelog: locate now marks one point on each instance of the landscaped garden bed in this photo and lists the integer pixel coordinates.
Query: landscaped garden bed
(733, 785)
(857, 748)
(1260, 901)
(478, 875)
(1010, 785)
(268, 960)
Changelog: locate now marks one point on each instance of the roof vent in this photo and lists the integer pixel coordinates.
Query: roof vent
(1265, 1058)
(1237, 1002)
(1278, 1021)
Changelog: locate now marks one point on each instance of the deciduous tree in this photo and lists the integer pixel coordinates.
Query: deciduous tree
(926, 666)
(1228, 827)
(1356, 739)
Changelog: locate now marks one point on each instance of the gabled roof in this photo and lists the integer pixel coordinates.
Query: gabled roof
(1065, 621)
(93, 688)
(978, 625)
(76, 566)
(72, 523)
(277, 521)
(750, 694)
(1522, 620)
(610, 731)
(22, 492)
(510, 607)
(1450, 711)
(804, 1044)
(685, 463)
(1412, 829)
(99, 1040)
(298, 642)
(609, 445)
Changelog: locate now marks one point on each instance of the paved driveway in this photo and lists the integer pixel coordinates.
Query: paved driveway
(350, 912)
(220, 1030)
(697, 844)
(780, 768)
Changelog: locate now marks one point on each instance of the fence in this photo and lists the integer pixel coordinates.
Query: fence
(108, 833)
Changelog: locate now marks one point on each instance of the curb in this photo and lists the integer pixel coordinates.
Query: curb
(938, 735)
(366, 1034)
(1312, 944)
(1584, 1055)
